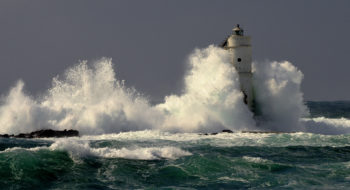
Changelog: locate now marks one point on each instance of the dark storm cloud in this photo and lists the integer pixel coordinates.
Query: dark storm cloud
(149, 41)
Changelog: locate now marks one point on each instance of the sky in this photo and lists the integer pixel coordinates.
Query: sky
(150, 41)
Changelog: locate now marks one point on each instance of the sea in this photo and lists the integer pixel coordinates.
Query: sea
(152, 159)
(127, 141)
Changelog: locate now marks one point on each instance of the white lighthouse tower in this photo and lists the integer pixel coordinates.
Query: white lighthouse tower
(241, 52)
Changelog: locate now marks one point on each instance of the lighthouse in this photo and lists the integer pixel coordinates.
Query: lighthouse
(241, 58)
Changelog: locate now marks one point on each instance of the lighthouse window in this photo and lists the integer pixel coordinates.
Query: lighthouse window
(239, 59)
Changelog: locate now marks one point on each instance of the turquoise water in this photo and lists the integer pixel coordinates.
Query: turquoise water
(160, 160)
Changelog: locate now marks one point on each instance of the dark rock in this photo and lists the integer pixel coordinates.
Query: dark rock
(45, 133)
(265, 132)
(52, 133)
(23, 135)
(5, 136)
(227, 131)
(223, 131)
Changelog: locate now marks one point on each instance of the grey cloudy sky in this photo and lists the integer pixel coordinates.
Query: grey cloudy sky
(149, 41)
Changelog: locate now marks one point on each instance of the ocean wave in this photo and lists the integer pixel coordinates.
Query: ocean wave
(256, 159)
(79, 149)
(14, 149)
(329, 126)
(82, 148)
(336, 122)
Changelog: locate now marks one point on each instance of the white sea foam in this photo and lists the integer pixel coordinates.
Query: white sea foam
(82, 148)
(256, 159)
(226, 178)
(153, 145)
(225, 139)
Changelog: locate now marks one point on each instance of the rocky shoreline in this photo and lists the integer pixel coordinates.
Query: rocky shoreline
(45, 133)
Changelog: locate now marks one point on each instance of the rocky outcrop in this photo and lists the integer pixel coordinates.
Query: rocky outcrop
(223, 131)
(227, 131)
(254, 132)
(45, 133)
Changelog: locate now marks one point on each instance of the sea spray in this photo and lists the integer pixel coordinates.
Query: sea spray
(17, 111)
(278, 96)
(91, 99)
(212, 100)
